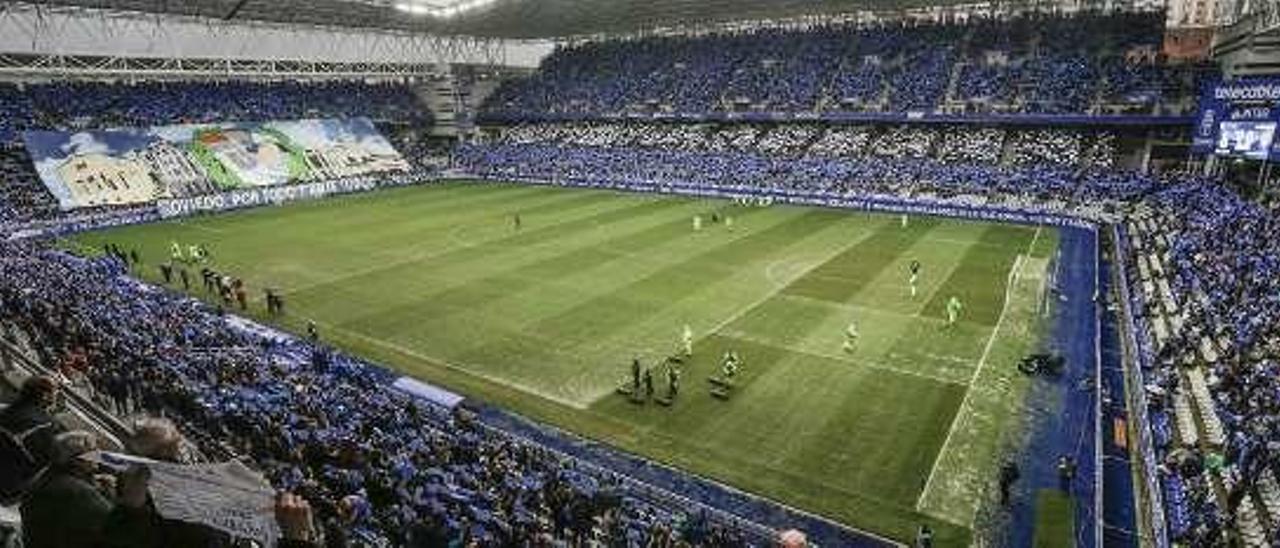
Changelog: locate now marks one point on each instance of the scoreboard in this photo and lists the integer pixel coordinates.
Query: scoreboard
(1238, 118)
(1248, 139)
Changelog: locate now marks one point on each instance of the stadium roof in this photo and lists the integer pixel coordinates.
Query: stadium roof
(516, 19)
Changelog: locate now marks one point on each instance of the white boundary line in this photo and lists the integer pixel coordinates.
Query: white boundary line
(982, 362)
(868, 364)
(856, 308)
(455, 242)
(779, 285)
(450, 365)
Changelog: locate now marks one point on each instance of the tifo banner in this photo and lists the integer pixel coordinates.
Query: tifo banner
(1239, 118)
(131, 166)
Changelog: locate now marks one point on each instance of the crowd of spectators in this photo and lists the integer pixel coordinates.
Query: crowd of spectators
(984, 84)
(982, 145)
(67, 500)
(952, 144)
(905, 142)
(1214, 339)
(1099, 150)
(737, 137)
(416, 146)
(377, 465)
(788, 140)
(101, 105)
(1045, 146)
(842, 141)
(836, 170)
(1084, 64)
(22, 196)
(683, 136)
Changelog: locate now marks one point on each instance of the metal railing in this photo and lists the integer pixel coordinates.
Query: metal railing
(1137, 401)
(80, 400)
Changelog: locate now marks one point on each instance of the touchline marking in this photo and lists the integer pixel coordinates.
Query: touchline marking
(450, 365)
(938, 357)
(982, 362)
(867, 364)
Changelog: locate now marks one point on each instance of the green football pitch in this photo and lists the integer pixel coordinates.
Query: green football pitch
(544, 319)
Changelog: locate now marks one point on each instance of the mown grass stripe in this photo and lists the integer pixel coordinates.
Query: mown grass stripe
(845, 275)
(516, 277)
(631, 303)
(990, 411)
(980, 280)
(443, 287)
(453, 258)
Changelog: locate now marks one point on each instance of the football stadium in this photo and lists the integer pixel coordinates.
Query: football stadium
(660, 273)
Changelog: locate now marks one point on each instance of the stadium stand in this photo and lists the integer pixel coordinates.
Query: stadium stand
(1207, 308)
(22, 196)
(971, 145)
(788, 140)
(1047, 65)
(76, 105)
(860, 159)
(842, 142)
(1045, 146)
(388, 469)
(96, 105)
(381, 467)
(1209, 304)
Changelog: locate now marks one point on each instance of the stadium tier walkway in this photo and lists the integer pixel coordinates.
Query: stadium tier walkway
(1118, 513)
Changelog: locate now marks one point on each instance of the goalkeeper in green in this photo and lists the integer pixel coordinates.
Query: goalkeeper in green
(953, 310)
